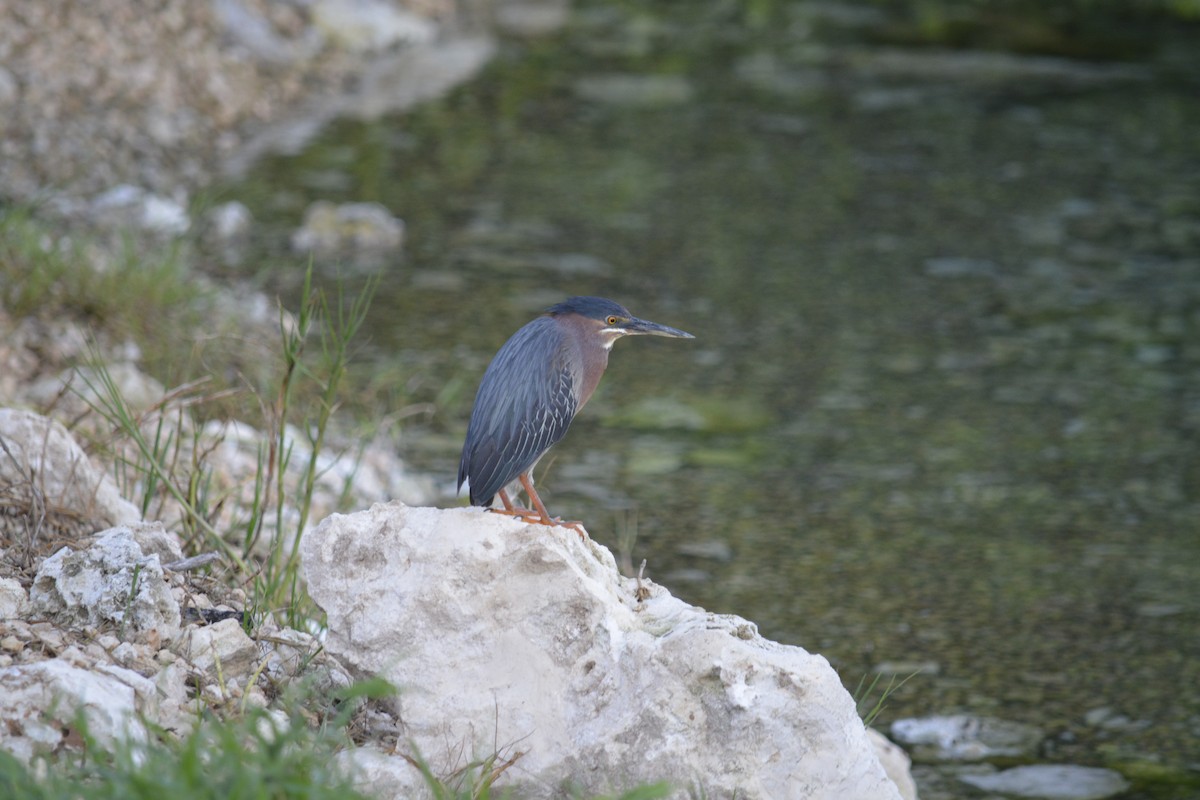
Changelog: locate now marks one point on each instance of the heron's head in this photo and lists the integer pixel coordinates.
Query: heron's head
(610, 321)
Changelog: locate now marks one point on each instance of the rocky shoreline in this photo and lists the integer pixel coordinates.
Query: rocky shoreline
(120, 114)
(156, 95)
(116, 114)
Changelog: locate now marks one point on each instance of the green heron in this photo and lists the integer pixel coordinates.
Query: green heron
(531, 391)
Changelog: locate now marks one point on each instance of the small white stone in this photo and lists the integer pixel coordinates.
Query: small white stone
(175, 709)
(163, 215)
(40, 700)
(1052, 782)
(230, 220)
(273, 723)
(112, 581)
(74, 656)
(896, 763)
(330, 228)
(14, 602)
(256, 698)
(125, 653)
(964, 737)
(67, 479)
(10, 89)
(142, 208)
(366, 25)
(223, 642)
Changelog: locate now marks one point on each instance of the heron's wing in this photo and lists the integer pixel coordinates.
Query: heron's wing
(524, 406)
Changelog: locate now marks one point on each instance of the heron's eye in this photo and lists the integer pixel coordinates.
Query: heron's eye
(612, 320)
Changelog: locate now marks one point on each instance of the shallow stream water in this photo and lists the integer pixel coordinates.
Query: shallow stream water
(943, 408)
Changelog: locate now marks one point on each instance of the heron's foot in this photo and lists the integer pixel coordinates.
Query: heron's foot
(559, 522)
(526, 514)
(576, 526)
(535, 518)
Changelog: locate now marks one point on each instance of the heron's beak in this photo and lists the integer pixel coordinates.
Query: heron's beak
(644, 327)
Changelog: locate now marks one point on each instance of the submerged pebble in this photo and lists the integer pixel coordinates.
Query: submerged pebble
(357, 227)
(715, 549)
(1052, 782)
(647, 91)
(964, 737)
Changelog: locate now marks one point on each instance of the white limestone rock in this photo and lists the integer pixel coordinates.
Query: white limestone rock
(896, 763)
(352, 227)
(517, 638)
(370, 25)
(112, 581)
(965, 737)
(154, 540)
(531, 17)
(39, 703)
(288, 652)
(176, 711)
(243, 23)
(1052, 782)
(44, 467)
(14, 601)
(133, 205)
(223, 643)
(228, 222)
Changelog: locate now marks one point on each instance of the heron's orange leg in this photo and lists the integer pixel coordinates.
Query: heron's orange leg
(513, 511)
(533, 498)
(508, 506)
(540, 516)
(546, 518)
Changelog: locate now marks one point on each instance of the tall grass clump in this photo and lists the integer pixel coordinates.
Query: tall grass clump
(870, 707)
(166, 457)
